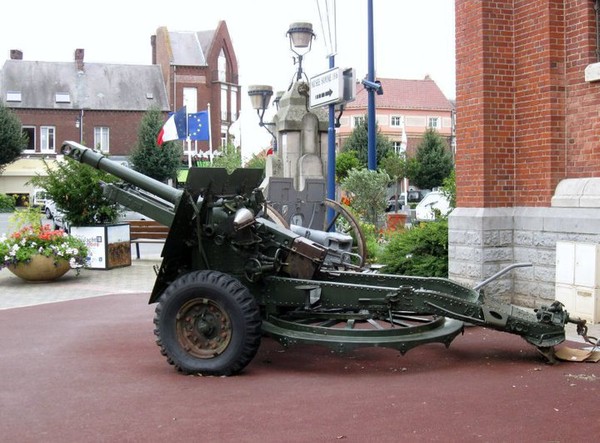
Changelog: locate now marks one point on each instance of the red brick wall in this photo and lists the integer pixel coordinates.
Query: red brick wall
(539, 100)
(472, 180)
(203, 78)
(583, 104)
(123, 126)
(525, 117)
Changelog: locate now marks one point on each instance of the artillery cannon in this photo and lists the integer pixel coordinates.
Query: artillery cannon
(231, 272)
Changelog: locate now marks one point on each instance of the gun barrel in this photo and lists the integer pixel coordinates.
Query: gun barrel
(99, 161)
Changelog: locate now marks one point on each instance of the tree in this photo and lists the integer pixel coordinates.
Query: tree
(359, 141)
(344, 162)
(395, 166)
(432, 163)
(369, 192)
(76, 190)
(449, 188)
(12, 138)
(258, 161)
(230, 158)
(159, 162)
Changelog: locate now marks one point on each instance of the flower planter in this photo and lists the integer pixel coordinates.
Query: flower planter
(396, 221)
(40, 268)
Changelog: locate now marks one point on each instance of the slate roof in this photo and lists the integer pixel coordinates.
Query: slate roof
(189, 48)
(99, 86)
(405, 94)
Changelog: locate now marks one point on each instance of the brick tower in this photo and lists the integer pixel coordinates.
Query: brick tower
(528, 133)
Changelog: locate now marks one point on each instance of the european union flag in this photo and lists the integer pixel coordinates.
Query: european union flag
(180, 123)
(198, 126)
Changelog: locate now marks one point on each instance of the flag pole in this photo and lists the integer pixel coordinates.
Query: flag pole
(210, 150)
(187, 138)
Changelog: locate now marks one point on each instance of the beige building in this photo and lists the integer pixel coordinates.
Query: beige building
(409, 106)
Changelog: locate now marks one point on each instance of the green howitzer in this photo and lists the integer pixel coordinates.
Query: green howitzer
(233, 271)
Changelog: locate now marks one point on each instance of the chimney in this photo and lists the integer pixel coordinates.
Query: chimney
(153, 45)
(79, 53)
(16, 54)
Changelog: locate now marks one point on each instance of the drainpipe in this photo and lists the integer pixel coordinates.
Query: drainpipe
(81, 126)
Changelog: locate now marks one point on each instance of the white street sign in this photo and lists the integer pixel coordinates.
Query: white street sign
(327, 88)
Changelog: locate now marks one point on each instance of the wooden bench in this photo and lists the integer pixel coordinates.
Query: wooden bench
(146, 231)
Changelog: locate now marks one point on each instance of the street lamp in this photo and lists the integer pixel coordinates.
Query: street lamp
(301, 36)
(260, 96)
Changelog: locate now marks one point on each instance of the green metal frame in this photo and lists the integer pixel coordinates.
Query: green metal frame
(304, 299)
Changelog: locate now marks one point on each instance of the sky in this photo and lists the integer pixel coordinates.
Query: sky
(412, 38)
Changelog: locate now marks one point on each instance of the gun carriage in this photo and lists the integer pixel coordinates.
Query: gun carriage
(232, 270)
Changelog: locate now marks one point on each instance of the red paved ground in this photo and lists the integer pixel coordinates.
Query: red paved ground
(88, 370)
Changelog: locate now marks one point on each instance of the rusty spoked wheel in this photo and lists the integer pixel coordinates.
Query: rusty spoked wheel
(208, 323)
(344, 330)
(342, 222)
(345, 223)
(274, 215)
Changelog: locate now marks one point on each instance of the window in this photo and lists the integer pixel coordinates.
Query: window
(62, 97)
(47, 139)
(434, 122)
(13, 96)
(396, 121)
(101, 139)
(29, 132)
(224, 102)
(234, 97)
(358, 120)
(190, 100)
(399, 148)
(222, 67)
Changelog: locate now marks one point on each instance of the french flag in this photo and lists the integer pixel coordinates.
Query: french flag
(175, 128)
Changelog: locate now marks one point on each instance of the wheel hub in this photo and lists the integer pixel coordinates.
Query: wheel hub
(203, 328)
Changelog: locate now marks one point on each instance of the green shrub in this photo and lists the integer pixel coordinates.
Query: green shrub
(372, 242)
(367, 190)
(76, 189)
(421, 251)
(7, 203)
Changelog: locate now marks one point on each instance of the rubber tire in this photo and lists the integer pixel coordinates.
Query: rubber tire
(233, 298)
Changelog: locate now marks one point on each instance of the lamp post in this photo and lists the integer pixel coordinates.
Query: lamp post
(260, 96)
(301, 36)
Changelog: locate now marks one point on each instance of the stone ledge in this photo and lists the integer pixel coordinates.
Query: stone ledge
(577, 193)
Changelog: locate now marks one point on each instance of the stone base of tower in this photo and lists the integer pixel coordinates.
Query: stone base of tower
(482, 241)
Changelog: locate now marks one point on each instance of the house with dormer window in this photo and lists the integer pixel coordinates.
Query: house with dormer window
(101, 105)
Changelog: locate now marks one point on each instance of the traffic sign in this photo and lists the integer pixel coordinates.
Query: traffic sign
(327, 88)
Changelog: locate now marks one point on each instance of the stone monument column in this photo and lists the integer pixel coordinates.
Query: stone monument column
(301, 139)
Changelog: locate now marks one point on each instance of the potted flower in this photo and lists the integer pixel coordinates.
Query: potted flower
(77, 194)
(37, 252)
